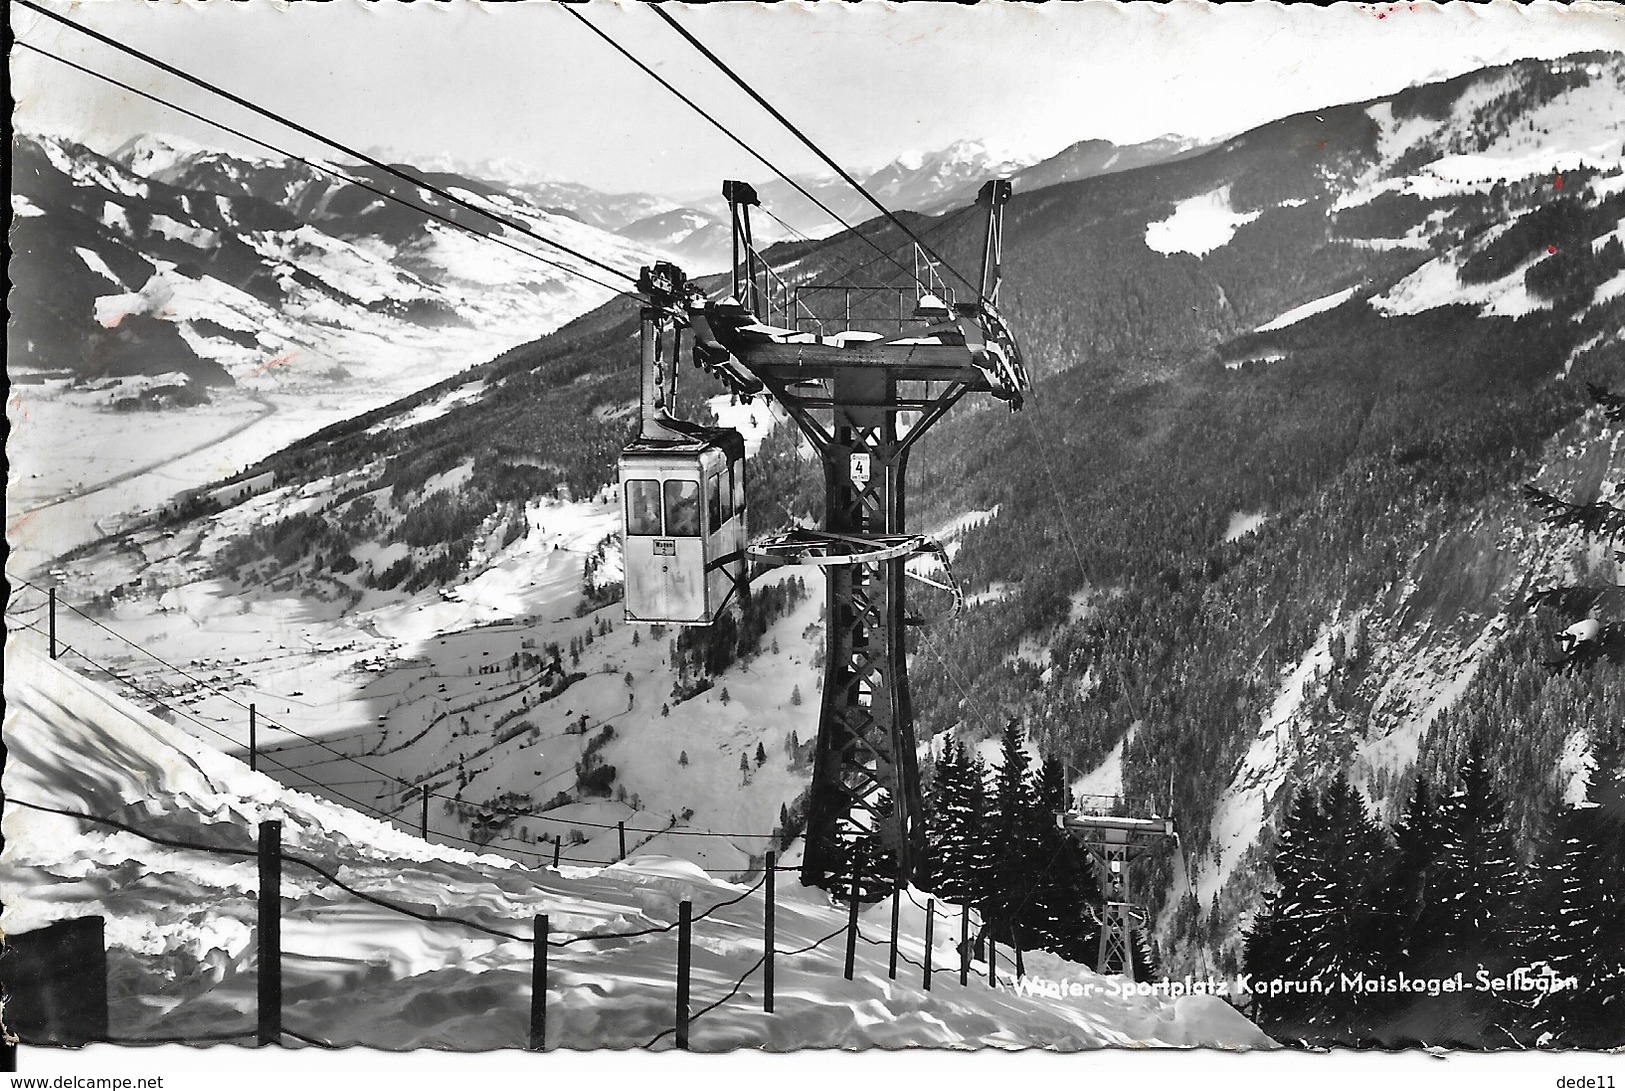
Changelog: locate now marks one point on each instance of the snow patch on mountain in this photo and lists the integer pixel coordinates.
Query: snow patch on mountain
(1424, 678)
(1439, 284)
(1106, 779)
(98, 265)
(1261, 774)
(1396, 136)
(431, 410)
(23, 208)
(1306, 310)
(1198, 225)
(1243, 523)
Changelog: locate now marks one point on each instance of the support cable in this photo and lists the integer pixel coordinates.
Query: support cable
(799, 188)
(322, 167)
(338, 755)
(816, 150)
(304, 130)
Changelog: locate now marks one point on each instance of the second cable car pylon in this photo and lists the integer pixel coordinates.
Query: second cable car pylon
(863, 400)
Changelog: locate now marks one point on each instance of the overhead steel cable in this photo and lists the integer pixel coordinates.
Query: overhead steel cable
(799, 135)
(322, 167)
(303, 130)
(729, 133)
(361, 807)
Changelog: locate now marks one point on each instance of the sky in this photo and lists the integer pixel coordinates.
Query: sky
(526, 84)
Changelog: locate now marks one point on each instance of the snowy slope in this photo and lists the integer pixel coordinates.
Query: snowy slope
(181, 934)
(287, 300)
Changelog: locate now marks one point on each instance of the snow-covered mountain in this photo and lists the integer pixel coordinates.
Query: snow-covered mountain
(1289, 388)
(702, 242)
(597, 208)
(239, 261)
(933, 181)
(167, 276)
(1090, 158)
(181, 923)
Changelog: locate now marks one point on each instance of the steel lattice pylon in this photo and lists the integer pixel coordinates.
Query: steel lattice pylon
(1114, 842)
(862, 403)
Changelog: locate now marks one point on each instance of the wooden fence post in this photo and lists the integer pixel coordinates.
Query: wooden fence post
(767, 935)
(1015, 941)
(270, 934)
(423, 816)
(930, 932)
(556, 839)
(891, 969)
(538, 984)
(964, 944)
(852, 932)
(992, 961)
(620, 828)
(52, 640)
(253, 738)
(685, 929)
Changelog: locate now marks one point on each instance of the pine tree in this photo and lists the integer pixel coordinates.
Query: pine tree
(1325, 919)
(942, 874)
(1584, 916)
(1015, 836)
(958, 841)
(1056, 916)
(795, 694)
(979, 847)
(682, 759)
(761, 755)
(1410, 886)
(1478, 877)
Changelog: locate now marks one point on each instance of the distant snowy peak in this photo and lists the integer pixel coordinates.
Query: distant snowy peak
(920, 181)
(166, 255)
(597, 208)
(155, 153)
(1091, 158)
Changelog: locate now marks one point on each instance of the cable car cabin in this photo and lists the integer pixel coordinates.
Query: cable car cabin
(684, 512)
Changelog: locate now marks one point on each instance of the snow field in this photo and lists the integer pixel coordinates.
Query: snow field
(1261, 774)
(1198, 225)
(320, 359)
(181, 921)
(398, 685)
(1313, 307)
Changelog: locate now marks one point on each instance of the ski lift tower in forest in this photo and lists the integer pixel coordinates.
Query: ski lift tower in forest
(862, 399)
(1114, 841)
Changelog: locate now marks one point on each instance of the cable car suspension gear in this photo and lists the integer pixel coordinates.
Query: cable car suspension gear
(862, 398)
(805, 546)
